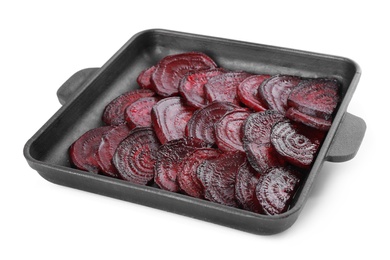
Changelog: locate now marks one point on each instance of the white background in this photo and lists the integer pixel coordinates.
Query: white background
(43, 43)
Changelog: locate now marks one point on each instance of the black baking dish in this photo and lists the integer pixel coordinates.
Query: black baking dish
(87, 92)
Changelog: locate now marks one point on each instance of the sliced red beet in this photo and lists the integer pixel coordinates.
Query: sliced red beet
(114, 112)
(83, 151)
(201, 124)
(135, 156)
(191, 87)
(257, 140)
(170, 117)
(312, 121)
(247, 92)
(276, 189)
(228, 131)
(316, 97)
(274, 91)
(224, 87)
(171, 69)
(245, 188)
(144, 78)
(169, 158)
(107, 147)
(138, 114)
(187, 176)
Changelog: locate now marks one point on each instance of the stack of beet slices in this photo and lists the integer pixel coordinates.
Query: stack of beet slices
(231, 137)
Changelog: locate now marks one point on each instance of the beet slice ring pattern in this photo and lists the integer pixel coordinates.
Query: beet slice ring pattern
(114, 112)
(135, 156)
(144, 78)
(312, 121)
(247, 92)
(171, 69)
(138, 114)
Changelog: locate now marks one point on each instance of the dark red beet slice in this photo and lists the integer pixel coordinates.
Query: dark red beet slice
(257, 140)
(83, 151)
(312, 121)
(107, 147)
(228, 131)
(276, 189)
(245, 188)
(224, 87)
(114, 112)
(170, 117)
(247, 92)
(316, 97)
(274, 91)
(187, 177)
(171, 69)
(135, 156)
(144, 78)
(201, 124)
(138, 114)
(295, 143)
(191, 87)
(169, 158)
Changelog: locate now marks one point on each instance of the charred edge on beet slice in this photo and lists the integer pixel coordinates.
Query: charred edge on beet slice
(114, 112)
(247, 92)
(138, 114)
(144, 78)
(83, 151)
(275, 91)
(171, 69)
(276, 189)
(312, 121)
(316, 97)
(135, 156)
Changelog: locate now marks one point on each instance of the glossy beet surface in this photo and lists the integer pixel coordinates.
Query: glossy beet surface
(138, 114)
(247, 92)
(144, 78)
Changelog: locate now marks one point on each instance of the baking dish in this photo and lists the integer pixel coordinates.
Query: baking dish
(88, 91)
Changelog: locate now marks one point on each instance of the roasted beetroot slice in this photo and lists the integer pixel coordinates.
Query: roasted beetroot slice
(144, 78)
(187, 176)
(83, 151)
(171, 69)
(107, 147)
(201, 124)
(114, 112)
(224, 87)
(257, 140)
(247, 92)
(169, 158)
(276, 189)
(245, 188)
(228, 131)
(138, 114)
(274, 91)
(135, 156)
(191, 87)
(316, 97)
(295, 143)
(312, 121)
(170, 117)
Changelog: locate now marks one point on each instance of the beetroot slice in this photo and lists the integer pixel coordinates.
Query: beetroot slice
(169, 158)
(169, 118)
(316, 97)
(257, 140)
(191, 87)
(171, 69)
(138, 114)
(107, 147)
(224, 87)
(144, 78)
(187, 177)
(114, 112)
(247, 92)
(201, 124)
(228, 131)
(245, 188)
(312, 121)
(274, 91)
(135, 156)
(276, 189)
(83, 151)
